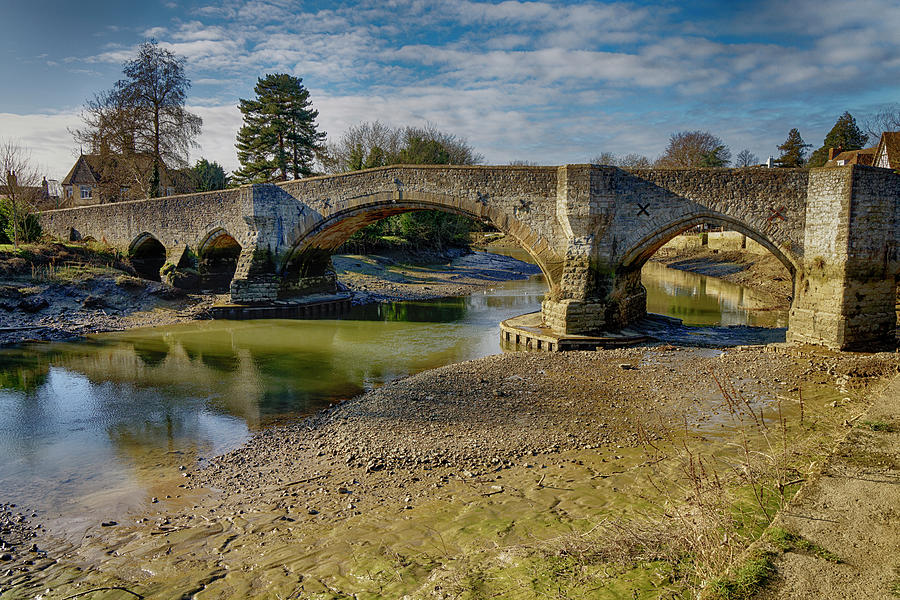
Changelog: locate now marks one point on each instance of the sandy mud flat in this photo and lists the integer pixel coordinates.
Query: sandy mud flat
(479, 479)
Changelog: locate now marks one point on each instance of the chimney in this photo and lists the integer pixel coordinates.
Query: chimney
(832, 152)
(45, 188)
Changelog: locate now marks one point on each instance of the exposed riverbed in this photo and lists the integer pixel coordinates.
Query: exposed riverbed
(98, 429)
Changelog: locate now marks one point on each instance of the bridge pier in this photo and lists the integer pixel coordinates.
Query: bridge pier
(846, 290)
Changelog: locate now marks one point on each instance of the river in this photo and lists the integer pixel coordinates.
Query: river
(93, 429)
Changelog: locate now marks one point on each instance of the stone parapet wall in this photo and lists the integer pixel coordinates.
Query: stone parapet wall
(176, 221)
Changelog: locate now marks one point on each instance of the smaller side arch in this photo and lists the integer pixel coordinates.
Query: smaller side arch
(218, 253)
(215, 237)
(639, 253)
(147, 256)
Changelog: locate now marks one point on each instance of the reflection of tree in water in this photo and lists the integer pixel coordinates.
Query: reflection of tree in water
(151, 351)
(289, 399)
(444, 310)
(301, 380)
(221, 361)
(28, 375)
(163, 441)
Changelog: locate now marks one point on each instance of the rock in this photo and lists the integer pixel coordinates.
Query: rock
(627, 367)
(6, 556)
(185, 279)
(33, 304)
(108, 524)
(94, 302)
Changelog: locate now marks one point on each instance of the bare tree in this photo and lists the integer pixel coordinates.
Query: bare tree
(110, 131)
(19, 181)
(745, 158)
(606, 158)
(885, 119)
(628, 161)
(375, 145)
(690, 149)
(635, 161)
(144, 114)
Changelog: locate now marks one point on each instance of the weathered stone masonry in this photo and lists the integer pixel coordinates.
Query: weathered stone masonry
(589, 227)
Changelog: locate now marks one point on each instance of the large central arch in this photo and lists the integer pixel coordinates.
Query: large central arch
(313, 245)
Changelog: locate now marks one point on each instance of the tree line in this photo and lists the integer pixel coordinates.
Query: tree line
(141, 128)
(697, 149)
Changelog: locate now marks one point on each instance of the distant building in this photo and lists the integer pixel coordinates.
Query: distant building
(887, 152)
(90, 181)
(837, 158)
(41, 197)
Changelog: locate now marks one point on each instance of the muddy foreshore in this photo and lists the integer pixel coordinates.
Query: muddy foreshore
(54, 311)
(461, 481)
(511, 476)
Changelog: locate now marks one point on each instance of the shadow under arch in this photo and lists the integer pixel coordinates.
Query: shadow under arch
(313, 248)
(147, 255)
(635, 257)
(218, 253)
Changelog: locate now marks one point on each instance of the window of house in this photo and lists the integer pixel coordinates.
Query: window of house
(123, 191)
(170, 191)
(841, 163)
(86, 192)
(68, 191)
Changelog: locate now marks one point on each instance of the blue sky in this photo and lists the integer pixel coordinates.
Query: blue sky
(549, 82)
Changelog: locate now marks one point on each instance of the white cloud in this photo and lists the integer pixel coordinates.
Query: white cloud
(47, 137)
(544, 81)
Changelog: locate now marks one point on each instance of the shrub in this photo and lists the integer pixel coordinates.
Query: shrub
(29, 225)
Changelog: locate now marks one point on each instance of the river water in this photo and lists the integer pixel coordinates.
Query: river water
(91, 430)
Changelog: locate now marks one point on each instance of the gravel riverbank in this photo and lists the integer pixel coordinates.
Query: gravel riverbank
(422, 485)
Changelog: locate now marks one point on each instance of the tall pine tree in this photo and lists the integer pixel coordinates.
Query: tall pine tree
(279, 137)
(793, 150)
(844, 135)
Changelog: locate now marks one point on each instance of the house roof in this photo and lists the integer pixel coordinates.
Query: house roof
(890, 143)
(88, 168)
(85, 170)
(865, 156)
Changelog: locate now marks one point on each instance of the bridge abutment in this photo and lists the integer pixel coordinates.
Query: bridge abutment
(846, 290)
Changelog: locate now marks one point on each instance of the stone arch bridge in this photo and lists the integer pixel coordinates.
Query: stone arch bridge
(590, 228)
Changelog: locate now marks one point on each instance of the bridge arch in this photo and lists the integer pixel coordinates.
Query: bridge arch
(639, 253)
(218, 253)
(313, 243)
(147, 255)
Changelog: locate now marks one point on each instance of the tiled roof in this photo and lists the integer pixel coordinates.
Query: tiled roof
(85, 170)
(864, 156)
